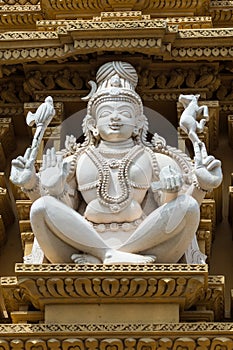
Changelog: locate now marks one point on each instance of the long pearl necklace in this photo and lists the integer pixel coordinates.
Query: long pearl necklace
(115, 203)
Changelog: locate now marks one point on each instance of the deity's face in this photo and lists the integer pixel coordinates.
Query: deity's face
(115, 121)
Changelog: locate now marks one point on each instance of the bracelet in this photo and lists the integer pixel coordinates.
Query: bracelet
(33, 189)
(63, 194)
(196, 185)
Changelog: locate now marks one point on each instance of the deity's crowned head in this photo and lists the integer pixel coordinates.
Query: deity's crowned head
(116, 82)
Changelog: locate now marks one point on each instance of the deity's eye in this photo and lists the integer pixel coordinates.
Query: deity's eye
(126, 114)
(104, 114)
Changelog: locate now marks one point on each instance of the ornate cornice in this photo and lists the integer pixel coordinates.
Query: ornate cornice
(59, 9)
(19, 16)
(58, 283)
(222, 12)
(59, 39)
(206, 33)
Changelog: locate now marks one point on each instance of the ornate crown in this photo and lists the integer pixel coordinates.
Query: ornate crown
(115, 81)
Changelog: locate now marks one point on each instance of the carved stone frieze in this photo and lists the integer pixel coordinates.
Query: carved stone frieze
(46, 284)
(19, 16)
(59, 9)
(197, 335)
(10, 109)
(206, 33)
(190, 22)
(221, 52)
(213, 297)
(10, 295)
(149, 35)
(221, 12)
(210, 307)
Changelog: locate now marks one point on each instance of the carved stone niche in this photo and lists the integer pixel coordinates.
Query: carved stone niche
(83, 294)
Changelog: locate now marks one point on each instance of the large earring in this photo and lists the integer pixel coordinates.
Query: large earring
(95, 132)
(135, 131)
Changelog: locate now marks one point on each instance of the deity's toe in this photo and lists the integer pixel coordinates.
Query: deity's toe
(118, 257)
(85, 259)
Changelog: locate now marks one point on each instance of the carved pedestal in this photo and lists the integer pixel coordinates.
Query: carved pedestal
(69, 293)
(113, 307)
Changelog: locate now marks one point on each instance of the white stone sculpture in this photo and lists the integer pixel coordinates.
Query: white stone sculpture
(140, 200)
(188, 120)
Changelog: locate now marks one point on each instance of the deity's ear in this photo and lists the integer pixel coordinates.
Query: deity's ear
(197, 96)
(91, 126)
(140, 121)
(88, 124)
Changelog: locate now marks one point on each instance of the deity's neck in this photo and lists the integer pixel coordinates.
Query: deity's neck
(116, 146)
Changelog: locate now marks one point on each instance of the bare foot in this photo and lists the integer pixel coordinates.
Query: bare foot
(85, 259)
(118, 257)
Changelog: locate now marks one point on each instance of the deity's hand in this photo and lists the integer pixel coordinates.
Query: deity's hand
(207, 169)
(170, 179)
(53, 173)
(23, 170)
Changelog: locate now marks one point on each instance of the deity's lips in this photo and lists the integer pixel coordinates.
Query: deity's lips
(115, 126)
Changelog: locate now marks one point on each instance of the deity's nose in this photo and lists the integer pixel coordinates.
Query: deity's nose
(115, 116)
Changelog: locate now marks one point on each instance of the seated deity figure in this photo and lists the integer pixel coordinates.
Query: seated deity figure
(117, 198)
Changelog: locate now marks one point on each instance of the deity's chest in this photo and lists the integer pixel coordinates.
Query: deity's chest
(114, 172)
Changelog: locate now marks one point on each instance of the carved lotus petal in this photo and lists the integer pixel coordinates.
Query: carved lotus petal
(7, 55)
(152, 42)
(215, 52)
(134, 42)
(117, 43)
(223, 51)
(41, 52)
(33, 53)
(126, 43)
(24, 53)
(207, 51)
(50, 52)
(16, 53)
(182, 52)
(199, 52)
(99, 43)
(59, 52)
(91, 43)
(190, 52)
(143, 42)
(108, 43)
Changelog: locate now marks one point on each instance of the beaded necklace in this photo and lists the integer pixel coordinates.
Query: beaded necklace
(115, 203)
